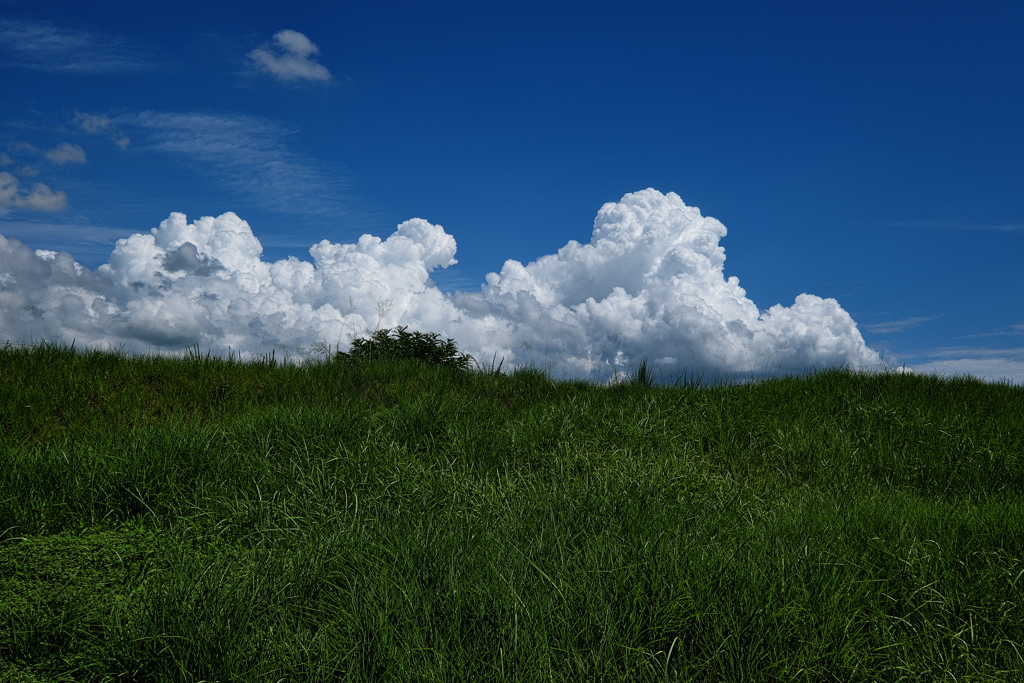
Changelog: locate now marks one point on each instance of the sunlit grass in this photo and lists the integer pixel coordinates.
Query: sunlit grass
(201, 519)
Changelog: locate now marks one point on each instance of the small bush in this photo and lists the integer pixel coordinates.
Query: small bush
(396, 344)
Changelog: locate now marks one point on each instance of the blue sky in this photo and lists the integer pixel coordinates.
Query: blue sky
(870, 153)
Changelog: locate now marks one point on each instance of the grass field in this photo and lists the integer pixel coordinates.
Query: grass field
(205, 520)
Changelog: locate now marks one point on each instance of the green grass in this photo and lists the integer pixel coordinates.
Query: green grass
(205, 520)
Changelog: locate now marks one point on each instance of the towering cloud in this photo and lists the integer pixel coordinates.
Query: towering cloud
(649, 283)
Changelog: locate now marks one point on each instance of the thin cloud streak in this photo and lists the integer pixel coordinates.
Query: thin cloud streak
(64, 236)
(43, 46)
(953, 225)
(1013, 331)
(894, 326)
(247, 154)
(965, 352)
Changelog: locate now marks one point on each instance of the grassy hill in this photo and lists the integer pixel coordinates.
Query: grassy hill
(205, 520)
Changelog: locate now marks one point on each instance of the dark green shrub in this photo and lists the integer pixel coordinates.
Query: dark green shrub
(395, 344)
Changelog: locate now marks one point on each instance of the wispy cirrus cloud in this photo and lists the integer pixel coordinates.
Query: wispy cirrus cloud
(70, 234)
(250, 155)
(955, 225)
(1013, 330)
(894, 326)
(974, 351)
(45, 46)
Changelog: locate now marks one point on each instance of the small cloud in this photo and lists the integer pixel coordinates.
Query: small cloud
(101, 125)
(28, 170)
(41, 198)
(92, 124)
(896, 325)
(292, 59)
(66, 153)
(5, 160)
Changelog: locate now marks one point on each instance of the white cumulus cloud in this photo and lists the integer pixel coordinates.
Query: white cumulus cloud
(292, 58)
(649, 284)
